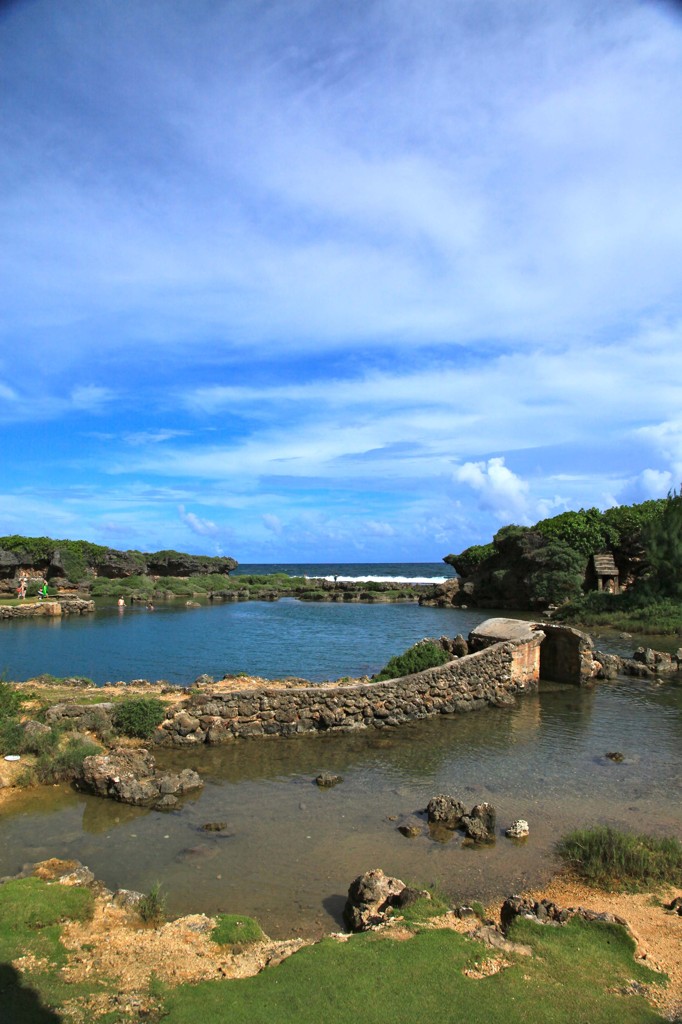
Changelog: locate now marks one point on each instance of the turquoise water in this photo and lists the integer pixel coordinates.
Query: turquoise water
(273, 640)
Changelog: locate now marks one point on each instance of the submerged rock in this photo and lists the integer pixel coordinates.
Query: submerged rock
(326, 780)
(445, 810)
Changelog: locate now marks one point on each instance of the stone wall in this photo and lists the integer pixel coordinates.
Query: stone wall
(50, 608)
(491, 677)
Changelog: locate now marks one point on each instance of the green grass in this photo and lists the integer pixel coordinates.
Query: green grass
(612, 859)
(152, 906)
(64, 764)
(30, 915)
(377, 980)
(236, 930)
(630, 612)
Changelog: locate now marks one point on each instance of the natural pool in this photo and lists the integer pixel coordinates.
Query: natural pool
(290, 849)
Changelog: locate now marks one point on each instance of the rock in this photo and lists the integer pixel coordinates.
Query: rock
(33, 729)
(475, 830)
(518, 829)
(80, 876)
(616, 756)
(459, 646)
(610, 665)
(486, 814)
(546, 912)
(371, 899)
(675, 905)
(409, 831)
(445, 810)
(82, 717)
(131, 777)
(213, 826)
(127, 899)
(326, 780)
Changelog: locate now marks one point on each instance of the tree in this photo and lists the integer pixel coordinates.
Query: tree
(662, 539)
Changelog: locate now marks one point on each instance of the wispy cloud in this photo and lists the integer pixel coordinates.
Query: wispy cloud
(338, 279)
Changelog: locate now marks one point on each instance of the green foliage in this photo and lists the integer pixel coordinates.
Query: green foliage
(11, 736)
(468, 560)
(423, 655)
(556, 573)
(634, 612)
(65, 764)
(139, 716)
(11, 699)
(152, 906)
(613, 859)
(236, 930)
(662, 538)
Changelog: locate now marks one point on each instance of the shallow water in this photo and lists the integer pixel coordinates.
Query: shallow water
(291, 849)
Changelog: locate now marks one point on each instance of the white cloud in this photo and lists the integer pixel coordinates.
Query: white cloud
(273, 523)
(202, 527)
(499, 489)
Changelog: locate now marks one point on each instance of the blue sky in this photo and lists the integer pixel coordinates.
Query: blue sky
(308, 280)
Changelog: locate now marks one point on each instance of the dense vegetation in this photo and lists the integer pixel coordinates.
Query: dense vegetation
(612, 859)
(424, 654)
(549, 563)
(138, 717)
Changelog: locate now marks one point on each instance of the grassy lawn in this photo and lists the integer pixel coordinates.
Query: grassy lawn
(577, 975)
(375, 980)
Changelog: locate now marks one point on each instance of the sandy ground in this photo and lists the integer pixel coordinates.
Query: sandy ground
(657, 933)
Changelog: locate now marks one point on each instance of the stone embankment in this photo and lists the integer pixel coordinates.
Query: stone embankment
(489, 677)
(645, 662)
(49, 608)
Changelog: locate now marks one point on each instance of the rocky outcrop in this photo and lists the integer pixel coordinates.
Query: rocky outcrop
(131, 776)
(373, 897)
(546, 912)
(61, 561)
(645, 662)
(82, 717)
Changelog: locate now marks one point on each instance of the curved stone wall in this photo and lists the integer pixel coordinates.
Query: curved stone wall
(493, 676)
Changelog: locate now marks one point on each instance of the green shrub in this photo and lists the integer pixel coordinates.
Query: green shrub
(423, 655)
(152, 906)
(236, 930)
(622, 860)
(11, 736)
(65, 765)
(11, 700)
(138, 717)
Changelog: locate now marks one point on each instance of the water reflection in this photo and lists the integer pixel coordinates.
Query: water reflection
(290, 848)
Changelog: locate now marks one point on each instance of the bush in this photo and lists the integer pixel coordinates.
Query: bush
(66, 764)
(138, 717)
(425, 654)
(11, 736)
(11, 700)
(236, 930)
(622, 860)
(152, 907)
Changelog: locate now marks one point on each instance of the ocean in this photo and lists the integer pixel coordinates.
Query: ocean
(358, 572)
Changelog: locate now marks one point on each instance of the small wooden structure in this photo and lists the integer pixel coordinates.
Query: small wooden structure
(605, 572)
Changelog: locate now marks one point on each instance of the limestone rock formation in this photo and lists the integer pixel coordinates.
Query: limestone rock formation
(372, 897)
(131, 776)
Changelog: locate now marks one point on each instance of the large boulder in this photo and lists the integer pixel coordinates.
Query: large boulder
(372, 897)
(131, 776)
